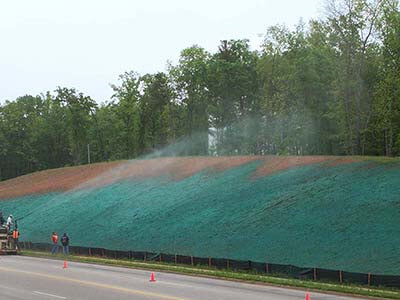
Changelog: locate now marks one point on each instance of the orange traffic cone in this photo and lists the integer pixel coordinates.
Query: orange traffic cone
(307, 296)
(152, 277)
(65, 264)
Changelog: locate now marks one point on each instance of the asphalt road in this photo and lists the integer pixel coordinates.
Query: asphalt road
(34, 278)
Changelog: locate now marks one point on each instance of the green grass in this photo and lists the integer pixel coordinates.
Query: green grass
(379, 292)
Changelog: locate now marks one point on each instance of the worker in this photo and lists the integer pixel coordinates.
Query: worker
(15, 238)
(65, 243)
(9, 222)
(54, 238)
(2, 221)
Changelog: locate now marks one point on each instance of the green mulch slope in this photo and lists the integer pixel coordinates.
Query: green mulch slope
(339, 217)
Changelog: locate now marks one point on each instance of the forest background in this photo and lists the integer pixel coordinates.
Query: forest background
(328, 87)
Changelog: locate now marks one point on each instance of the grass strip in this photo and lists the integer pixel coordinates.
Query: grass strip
(349, 289)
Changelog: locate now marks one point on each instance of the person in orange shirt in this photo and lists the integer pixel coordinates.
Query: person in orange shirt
(15, 238)
(54, 238)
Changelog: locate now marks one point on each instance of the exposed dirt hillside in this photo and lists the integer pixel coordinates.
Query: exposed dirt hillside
(175, 168)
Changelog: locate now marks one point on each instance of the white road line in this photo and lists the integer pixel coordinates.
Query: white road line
(50, 295)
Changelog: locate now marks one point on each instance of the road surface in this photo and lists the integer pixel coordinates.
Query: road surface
(35, 278)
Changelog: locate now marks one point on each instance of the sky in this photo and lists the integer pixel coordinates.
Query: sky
(86, 44)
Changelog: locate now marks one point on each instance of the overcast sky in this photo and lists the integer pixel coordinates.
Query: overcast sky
(86, 44)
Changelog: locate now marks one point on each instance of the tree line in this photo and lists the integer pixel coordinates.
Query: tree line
(329, 87)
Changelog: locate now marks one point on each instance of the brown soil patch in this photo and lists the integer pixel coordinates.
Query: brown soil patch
(273, 164)
(342, 161)
(52, 180)
(175, 168)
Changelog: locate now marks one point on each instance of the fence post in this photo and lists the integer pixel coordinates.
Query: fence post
(90, 251)
(191, 260)
(115, 254)
(102, 252)
(176, 259)
(209, 261)
(227, 263)
(315, 273)
(266, 268)
(340, 277)
(369, 278)
(145, 256)
(160, 257)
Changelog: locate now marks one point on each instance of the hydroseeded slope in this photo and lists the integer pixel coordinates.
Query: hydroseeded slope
(337, 216)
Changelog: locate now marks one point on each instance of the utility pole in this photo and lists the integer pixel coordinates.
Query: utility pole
(88, 153)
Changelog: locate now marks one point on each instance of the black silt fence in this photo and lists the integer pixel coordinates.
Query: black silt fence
(85, 251)
(151, 256)
(297, 270)
(77, 250)
(41, 246)
(219, 263)
(169, 258)
(259, 267)
(306, 274)
(357, 278)
(328, 275)
(201, 261)
(96, 251)
(239, 265)
(109, 253)
(183, 259)
(138, 255)
(385, 280)
(122, 254)
(280, 269)
(290, 271)
(25, 245)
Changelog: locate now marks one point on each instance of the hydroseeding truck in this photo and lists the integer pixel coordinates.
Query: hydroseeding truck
(8, 244)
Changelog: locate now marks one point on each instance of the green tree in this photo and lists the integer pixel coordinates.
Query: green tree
(127, 111)
(107, 135)
(296, 69)
(154, 112)
(354, 25)
(19, 121)
(79, 110)
(52, 142)
(386, 127)
(234, 93)
(190, 80)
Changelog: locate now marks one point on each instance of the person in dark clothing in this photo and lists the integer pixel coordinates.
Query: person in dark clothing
(2, 221)
(65, 243)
